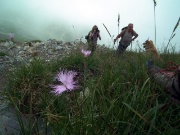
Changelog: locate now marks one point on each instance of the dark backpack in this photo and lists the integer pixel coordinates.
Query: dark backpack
(124, 29)
(87, 36)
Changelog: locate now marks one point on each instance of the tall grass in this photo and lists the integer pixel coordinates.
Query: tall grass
(121, 98)
(155, 19)
(173, 34)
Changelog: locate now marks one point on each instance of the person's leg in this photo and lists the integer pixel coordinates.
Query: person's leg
(170, 80)
(89, 46)
(174, 88)
(120, 49)
(157, 75)
(93, 47)
(174, 91)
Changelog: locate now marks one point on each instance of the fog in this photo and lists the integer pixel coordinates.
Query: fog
(69, 20)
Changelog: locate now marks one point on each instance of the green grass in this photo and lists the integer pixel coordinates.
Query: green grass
(122, 98)
(2, 54)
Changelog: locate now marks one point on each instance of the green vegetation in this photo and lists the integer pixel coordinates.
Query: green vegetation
(2, 54)
(115, 96)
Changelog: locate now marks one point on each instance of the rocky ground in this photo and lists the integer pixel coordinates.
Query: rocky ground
(14, 53)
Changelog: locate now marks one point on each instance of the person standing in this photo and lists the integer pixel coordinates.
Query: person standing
(127, 36)
(94, 34)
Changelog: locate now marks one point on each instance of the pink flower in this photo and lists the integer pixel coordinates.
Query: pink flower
(86, 53)
(66, 78)
(11, 35)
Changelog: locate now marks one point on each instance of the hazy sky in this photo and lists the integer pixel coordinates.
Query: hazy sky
(71, 19)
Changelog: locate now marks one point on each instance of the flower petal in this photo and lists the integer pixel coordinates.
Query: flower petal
(66, 77)
(58, 89)
(86, 53)
(61, 76)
